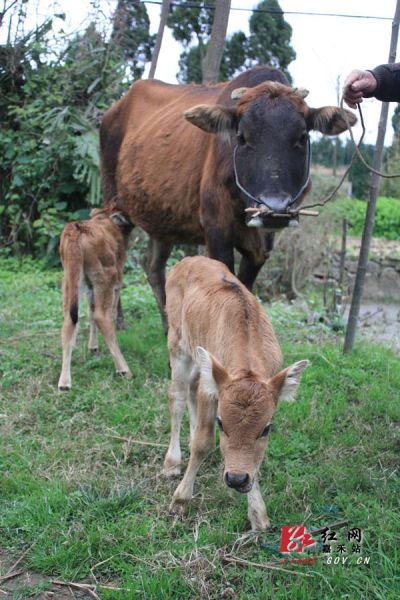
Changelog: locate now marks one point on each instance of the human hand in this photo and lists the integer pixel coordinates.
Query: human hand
(356, 85)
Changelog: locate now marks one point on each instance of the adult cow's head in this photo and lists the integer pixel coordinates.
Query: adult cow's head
(269, 129)
(246, 406)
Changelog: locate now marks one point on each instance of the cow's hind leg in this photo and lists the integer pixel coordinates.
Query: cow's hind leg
(178, 395)
(202, 444)
(257, 512)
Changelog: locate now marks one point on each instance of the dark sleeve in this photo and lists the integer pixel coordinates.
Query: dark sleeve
(388, 79)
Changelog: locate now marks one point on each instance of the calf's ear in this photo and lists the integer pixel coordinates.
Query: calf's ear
(213, 374)
(330, 120)
(120, 219)
(287, 381)
(212, 119)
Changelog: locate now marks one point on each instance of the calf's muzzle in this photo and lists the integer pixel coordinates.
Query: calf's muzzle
(238, 481)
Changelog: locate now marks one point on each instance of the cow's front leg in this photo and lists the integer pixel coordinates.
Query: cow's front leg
(202, 444)
(220, 246)
(257, 512)
(255, 249)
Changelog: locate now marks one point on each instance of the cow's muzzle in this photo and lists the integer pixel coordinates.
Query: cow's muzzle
(240, 482)
(278, 204)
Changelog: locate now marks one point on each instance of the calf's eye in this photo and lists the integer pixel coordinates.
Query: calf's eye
(218, 419)
(266, 431)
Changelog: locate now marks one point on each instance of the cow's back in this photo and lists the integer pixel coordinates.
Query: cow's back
(208, 306)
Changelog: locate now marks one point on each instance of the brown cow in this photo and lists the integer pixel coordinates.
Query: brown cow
(225, 364)
(186, 161)
(93, 255)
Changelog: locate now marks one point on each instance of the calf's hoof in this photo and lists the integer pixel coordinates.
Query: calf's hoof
(64, 388)
(171, 471)
(178, 507)
(259, 522)
(125, 374)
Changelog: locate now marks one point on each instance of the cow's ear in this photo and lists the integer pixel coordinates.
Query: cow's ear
(330, 120)
(213, 374)
(286, 383)
(212, 119)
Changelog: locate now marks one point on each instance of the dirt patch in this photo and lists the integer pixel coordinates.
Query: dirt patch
(21, 583)
(380, 323)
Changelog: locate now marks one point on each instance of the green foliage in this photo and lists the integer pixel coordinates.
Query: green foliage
(387, 217)
(52, 97)
(269, 40)
(130, 41)
(267, 43)
(82, 498)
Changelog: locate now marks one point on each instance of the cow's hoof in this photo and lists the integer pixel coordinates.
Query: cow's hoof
(178, 508)
(93, 350)
(64, 388)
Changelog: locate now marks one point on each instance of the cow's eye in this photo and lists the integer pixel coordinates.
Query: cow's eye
(218, 419)
(266, 431)
(303, 139)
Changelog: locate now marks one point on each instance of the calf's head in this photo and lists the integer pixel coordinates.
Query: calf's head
(245, 410)
(269, 128)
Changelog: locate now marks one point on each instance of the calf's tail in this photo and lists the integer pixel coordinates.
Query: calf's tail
(73, 272)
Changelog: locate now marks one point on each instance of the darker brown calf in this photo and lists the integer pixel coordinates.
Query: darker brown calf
(93, 254)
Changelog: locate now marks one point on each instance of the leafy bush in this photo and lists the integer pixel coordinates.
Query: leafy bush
(387, 219)
(52, 96)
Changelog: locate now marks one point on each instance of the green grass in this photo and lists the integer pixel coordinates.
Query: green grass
(87, 498)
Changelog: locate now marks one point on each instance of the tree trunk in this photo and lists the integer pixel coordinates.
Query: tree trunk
(160, 33)
(373, 194)
(216, 45)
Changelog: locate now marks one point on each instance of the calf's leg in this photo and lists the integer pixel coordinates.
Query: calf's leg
(104, 319)
(257, 512)
(202, 444)
(178, 393)
(93, 344)
(68, 336)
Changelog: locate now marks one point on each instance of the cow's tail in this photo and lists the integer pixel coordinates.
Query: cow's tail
(73, 275)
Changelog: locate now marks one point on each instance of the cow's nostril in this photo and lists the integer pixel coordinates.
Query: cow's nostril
(237, 480)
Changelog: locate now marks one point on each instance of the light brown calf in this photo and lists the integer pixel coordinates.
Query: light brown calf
(93, 255)
(225, 364)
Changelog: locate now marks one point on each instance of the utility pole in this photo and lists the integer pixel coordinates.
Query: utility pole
(160, 33)
(216, 45)
(371, 209)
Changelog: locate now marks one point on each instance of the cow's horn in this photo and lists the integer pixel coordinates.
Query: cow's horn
(238, 93)
(302, 92)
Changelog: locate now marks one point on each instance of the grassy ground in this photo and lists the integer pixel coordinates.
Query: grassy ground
(82, 498)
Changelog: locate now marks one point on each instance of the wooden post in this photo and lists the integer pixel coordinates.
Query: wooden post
(371, 208)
